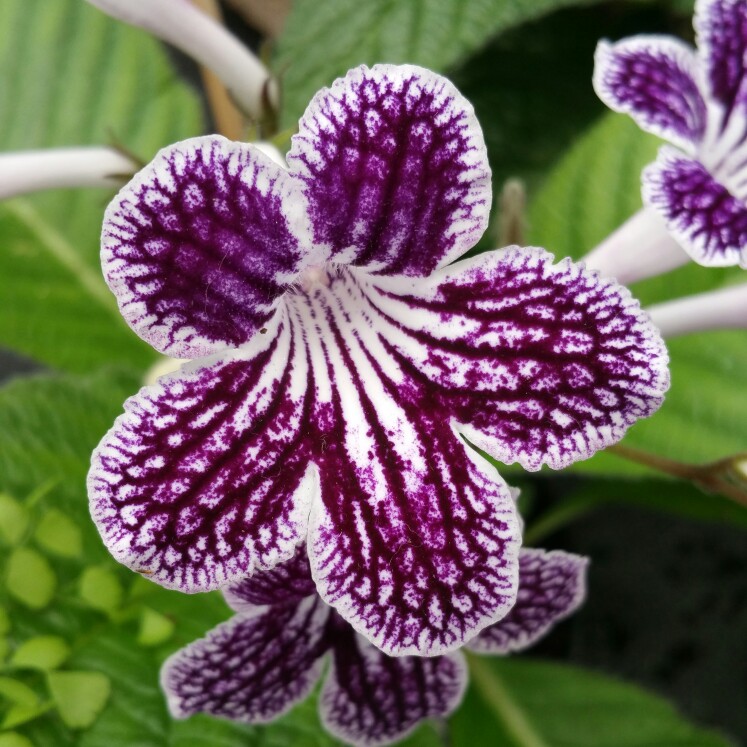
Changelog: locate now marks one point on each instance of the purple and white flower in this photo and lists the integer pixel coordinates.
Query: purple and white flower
(342, 360)
(697, 100)
(270, 655)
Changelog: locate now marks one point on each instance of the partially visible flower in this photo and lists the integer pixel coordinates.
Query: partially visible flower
(269, 656)
(697, 101)
(343, 356)
(35, 170)
(721, 309)
(186, 27)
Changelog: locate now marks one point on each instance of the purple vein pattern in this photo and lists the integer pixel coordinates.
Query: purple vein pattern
(696, 99)
(349, 361)
(267, 658)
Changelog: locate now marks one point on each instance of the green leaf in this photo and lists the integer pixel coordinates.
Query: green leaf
(29, 578)
(524, 703)
(155, 628)
(21, 714)
(12, 739)
(58, 534)
(589, 194)
(42, 652)
(69, 75)
(322, 40)
(100, 589)
(17, 692)
(14, 519)
(80, 696)
(4, 621)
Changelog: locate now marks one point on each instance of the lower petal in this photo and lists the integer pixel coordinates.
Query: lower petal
(251, 668)
(702, 215)
(205, 477)
(373, 699)
(552, 585)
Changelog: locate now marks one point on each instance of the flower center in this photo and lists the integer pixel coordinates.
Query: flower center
(314, 276)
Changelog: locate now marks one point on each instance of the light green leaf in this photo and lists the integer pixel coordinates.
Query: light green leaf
(80, 696)
(4, 621)
(14, 519)
(589, 194)
(155, 628)
(42, 652)
(58, 534)
(12, 739)
(17, 692)
(100, 589)
(322, 40)
(21, 714)
(69, 75)
(29, 578)
(524, 703)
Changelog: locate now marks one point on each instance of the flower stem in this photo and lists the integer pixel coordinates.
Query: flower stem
(725, 476)
(494, 692)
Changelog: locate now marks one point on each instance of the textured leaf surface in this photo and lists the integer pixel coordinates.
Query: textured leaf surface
(523, 703)
(589, 194)
(322, 41)
(96, 79)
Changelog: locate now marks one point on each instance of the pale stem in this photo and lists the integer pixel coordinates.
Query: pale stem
(717, 310)
(34, 170)
(187, 28)
(641, 248)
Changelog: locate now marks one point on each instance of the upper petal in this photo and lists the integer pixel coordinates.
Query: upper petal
(539, 363)
(700, 212)
(653, 79)
(370, 698)
(395, 168)
(251, 668)
(198, 247)
(287, 582)
(206, 477)
(552, 585)
(721, 29)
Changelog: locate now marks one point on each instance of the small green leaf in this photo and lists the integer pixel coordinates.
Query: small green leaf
(13, 739)
(155, 628)
(14, 519)
(4, 621)
(20, 714)
(101, 589)
(58, 534)
(30, 578)
(4, 648)
(80, 696)
(44, 652)
(17, 692)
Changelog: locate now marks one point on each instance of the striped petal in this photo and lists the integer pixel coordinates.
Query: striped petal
(204, 479)
(552, 585)
(373, 699)
(395, 169)
(285, 583)
(415, 539)
(198, 247)
(537, 363)
(701, 213)
(251, 668)
(654, 80)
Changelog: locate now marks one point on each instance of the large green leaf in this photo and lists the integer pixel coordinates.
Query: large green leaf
(322, 40)
(525, 703)
(71, 76)
(593, 189)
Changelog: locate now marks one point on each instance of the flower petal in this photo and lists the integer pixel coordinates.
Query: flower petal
(370, 699)
(251, 668)
(395, 168)
(198, 247)
(287, 582)
(552, 585)
(721, 29)
(701, 213)
(188, 487)
(538, 363)
(653, 79)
